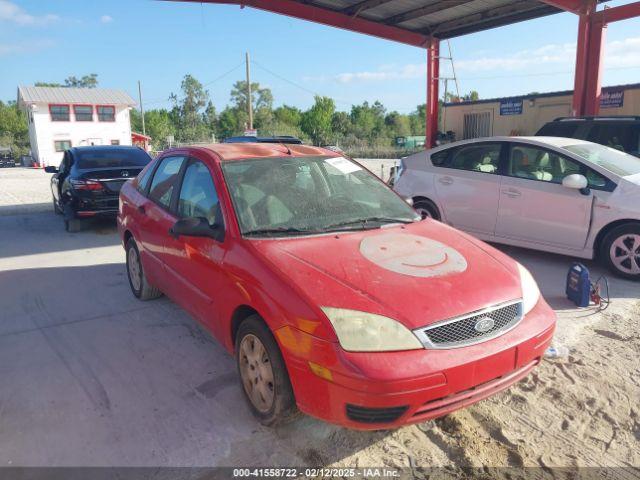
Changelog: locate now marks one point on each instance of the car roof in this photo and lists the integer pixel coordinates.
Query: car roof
(244, 150)
(106, 148)
(558, 142)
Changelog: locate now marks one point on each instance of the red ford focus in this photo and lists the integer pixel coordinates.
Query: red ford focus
(331, 292)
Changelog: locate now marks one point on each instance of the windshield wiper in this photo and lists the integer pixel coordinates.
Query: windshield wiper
(363, 223)
(279, 231)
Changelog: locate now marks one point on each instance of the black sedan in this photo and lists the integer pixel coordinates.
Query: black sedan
(87, 182)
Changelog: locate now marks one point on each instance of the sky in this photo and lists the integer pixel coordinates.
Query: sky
(158, 42)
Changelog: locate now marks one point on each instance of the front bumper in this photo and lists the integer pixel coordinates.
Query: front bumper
(382, 390)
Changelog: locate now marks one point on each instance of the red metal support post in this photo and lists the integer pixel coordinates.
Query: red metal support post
(433, 74)
(593, 89)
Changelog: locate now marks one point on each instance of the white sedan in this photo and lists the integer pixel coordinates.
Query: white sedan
(559, 195)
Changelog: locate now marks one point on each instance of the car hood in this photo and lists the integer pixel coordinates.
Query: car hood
(418, 274)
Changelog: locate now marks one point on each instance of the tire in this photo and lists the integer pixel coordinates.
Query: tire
(140, 286)
(56, 208)
(274, 403)
(72, 225)
(427, 209)
(620, 251)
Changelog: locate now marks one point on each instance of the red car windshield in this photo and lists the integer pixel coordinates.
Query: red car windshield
(297, 195)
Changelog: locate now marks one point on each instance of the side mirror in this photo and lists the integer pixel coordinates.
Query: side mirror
(196, 227)
(409, 200)
(575, 181)
(51, 169)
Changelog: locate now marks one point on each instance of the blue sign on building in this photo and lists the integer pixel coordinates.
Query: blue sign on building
(611, 98)
(511, 107)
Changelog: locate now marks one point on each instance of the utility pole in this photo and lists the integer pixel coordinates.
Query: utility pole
(249, 98)
(144, 130)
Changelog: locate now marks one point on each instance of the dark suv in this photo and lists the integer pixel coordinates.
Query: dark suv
(622, 133)
(88, 181)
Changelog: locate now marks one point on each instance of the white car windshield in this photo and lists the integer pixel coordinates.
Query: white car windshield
(306, 195)
(611, 159)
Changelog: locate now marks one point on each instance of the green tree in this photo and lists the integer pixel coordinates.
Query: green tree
(368, 120)
(316, 122)
(288, 115)
(14, 131)
(398, 125)
(187, 113)
(86, 81)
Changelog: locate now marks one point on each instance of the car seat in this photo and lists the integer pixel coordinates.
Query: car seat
(541, 172)
(486, 165)
(520, 166)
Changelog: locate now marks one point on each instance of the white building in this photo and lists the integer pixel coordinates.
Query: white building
(61, 117)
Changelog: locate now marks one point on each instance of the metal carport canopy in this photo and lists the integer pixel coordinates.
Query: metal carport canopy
(423, 23)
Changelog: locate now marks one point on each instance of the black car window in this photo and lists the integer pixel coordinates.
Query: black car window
(534, 163)
(439, 158)
(484, 158)
(143, 179)
(198, 196)
(106, 157)
(165, 180)
(618, 135)
(558, 129)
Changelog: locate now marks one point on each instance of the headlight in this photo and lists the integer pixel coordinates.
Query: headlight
(367, 332)
(530, 290)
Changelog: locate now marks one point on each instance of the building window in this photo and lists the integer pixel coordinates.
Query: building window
(59, 113)
(62, 145)
(106, 114)
(115, 142)
(83, 113)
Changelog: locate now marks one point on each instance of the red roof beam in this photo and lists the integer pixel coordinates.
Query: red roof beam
(616, 14)
(331, 18)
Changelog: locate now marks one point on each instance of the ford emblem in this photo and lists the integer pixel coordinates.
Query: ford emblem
(484, 325)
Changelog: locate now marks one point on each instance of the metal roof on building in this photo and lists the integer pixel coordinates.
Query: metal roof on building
(406, 21)
(93, 96)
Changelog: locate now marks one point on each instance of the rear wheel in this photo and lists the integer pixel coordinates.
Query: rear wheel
(72, 225)
(140, 286)
(427, 209)
(621, 251)
(264, 377)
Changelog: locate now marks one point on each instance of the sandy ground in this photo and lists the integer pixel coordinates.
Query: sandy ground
(98, 378)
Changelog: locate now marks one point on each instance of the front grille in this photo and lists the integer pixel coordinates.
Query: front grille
(463, 331)
(374, 415)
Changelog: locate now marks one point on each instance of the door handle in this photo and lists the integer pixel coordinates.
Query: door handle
(445, 180)
(511, 193)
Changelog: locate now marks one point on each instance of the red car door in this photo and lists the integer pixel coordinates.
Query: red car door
(154, 219)
(195, 263)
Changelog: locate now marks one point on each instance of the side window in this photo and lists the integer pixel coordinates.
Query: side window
(198, 196)
(546, 166)
(618, 135)
(165, 179)
(483, 158)
(439, 158)
(143, 180)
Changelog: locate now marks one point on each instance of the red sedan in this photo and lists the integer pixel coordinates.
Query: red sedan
(331, 292)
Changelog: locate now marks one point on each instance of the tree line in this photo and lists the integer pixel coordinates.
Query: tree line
(365, 129)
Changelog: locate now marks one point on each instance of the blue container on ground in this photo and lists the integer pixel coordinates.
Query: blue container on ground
(579, 285)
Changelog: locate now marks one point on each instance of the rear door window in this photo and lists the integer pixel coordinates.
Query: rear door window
(618, 135)
(483, 158)
(112, 158)
(165, 180)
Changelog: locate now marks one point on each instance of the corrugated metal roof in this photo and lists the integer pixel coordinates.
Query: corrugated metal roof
(93, 96)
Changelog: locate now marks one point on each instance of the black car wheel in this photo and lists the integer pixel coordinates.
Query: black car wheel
(621, 251)
(427, 209)
(263, 374)
(140, 286)
(72, 225)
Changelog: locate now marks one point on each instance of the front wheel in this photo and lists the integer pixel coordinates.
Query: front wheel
(621, 251)
(263, 374)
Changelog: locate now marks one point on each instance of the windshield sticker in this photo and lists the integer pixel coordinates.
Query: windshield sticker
(342, 164)
(412, 255)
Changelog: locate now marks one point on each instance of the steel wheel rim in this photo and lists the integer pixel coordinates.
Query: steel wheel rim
(424, 213)
(256, 373)
(625, 253)
(133, 265)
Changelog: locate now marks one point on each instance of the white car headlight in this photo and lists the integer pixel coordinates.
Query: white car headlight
(530, 290)
(368, 332)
